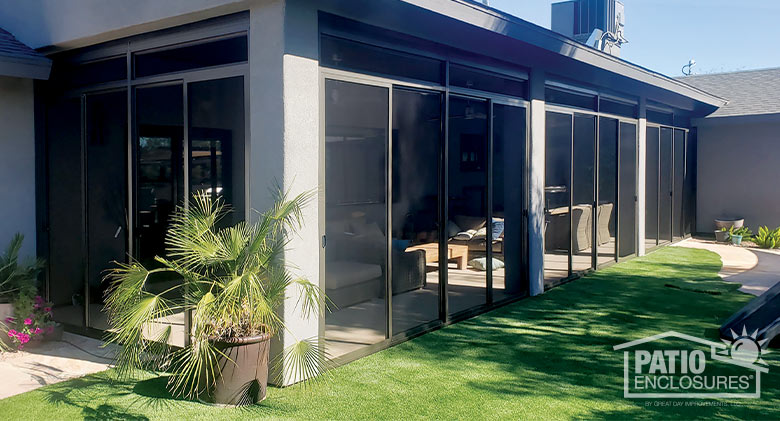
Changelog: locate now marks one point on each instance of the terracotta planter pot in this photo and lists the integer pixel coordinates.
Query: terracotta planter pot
(244, 376)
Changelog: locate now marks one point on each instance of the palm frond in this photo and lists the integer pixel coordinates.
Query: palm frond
(302, 361)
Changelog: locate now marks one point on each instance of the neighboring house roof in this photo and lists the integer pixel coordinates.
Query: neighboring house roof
(19, 60)
(750, 92)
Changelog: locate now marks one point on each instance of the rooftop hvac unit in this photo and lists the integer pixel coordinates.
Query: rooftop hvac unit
(599, 23)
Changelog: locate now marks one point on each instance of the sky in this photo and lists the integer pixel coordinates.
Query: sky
(721, 35)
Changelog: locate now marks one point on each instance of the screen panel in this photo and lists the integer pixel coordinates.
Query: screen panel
(651, 187)
(627, 190)
(557, 200)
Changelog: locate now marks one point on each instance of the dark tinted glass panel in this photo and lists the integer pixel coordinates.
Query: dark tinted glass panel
(583, 191)
(417, 128)
(216, 132)
(665, 186)
(617, 108)
(682, 120)
(159, 167)
(106, 130)
(689, 192)
(508, 201)
(343, 54)
(65, 218)
(215, 53)
(467, 225)
(659, 117)
(651, 188)
(627, 192)
(465, 77)
(561, 97)
(101, 71)
(356, 140)
(606, 212)
(557, 191)
(159, 185)
(679, 179)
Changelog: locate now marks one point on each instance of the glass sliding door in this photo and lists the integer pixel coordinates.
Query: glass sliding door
(651, 188)
(507, 231)
(583, 191)
(216, 142)
(159, 187)
(627, 190)
(606, 211)
(557, 200)
(416, 166)
(356, 242)
(678, 184)
(106, 193)
(66, 261)
(665, 186)
(467, 189)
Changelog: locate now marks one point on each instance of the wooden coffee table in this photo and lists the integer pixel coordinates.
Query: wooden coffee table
(454, 251)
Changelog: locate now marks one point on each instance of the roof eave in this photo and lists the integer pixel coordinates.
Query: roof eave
(505, 24)
(34, 68)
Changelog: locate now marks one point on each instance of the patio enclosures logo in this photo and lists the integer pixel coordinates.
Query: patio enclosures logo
(676, 365)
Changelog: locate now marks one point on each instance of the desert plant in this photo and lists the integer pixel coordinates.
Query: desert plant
(18, 282)
(32, 321)
(233, 282)
(745, 232)
(766, 238)
(17, 279)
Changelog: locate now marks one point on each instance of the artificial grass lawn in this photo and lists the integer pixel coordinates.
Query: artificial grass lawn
(547, 357)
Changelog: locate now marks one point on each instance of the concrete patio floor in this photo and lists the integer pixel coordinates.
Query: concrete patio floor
(755, 269)
(52, 362)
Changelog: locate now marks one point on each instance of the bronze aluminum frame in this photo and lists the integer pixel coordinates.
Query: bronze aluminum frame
(445, 318)
(686, 139)
(173, 38)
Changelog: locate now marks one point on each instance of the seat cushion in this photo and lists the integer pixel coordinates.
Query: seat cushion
(341, 273)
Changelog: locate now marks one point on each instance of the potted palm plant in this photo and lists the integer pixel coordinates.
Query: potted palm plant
(233, 281)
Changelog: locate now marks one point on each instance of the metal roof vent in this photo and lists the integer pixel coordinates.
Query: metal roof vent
(597, 23)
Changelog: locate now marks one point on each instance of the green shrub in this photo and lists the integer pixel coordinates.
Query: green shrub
(745, 232)
(767, 239)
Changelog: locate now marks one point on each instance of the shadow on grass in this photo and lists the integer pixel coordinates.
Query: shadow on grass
(81, 393)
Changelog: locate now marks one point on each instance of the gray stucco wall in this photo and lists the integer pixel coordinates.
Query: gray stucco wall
(738, 166)
(17, 162)
(77, 23)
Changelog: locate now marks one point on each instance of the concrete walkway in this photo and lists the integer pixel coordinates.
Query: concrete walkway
(756, 269)
(52, 362)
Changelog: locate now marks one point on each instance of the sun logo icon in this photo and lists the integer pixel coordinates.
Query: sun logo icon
(745, 348)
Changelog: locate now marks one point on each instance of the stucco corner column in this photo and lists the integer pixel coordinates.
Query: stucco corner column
(284, 146)
(536, 185)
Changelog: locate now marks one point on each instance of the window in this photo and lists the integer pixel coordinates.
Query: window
(214, 53)
(574, 99)
(343, 54)
(618, 108)
(93, 72)
(660, 117)
(465, 77)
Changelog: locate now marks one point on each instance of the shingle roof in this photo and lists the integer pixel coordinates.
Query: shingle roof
(19, 60)
(750, 92)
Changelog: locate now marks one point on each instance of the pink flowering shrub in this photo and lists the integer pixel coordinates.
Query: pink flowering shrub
(32, 322)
